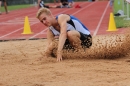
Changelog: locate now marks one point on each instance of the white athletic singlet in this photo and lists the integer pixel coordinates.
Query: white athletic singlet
(72, 24)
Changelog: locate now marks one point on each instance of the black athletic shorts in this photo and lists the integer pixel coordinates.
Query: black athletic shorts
(86, 41)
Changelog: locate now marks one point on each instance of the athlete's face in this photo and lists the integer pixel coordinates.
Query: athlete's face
(45, 19)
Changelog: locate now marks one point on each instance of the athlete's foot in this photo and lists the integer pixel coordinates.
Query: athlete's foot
(0, 13)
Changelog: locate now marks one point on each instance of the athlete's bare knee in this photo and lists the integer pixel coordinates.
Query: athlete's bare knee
(52, 45)
(73, 33)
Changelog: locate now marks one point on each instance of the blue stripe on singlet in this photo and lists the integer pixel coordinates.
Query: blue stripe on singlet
(72, 17)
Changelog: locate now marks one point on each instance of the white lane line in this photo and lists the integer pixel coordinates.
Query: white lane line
(95, 32)
(83, 8)
(13, 31)
(19, 21)
(15, 14)
(16, 23)
(60, 13)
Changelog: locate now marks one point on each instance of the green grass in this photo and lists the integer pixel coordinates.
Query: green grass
(15, 7)
(120, 22)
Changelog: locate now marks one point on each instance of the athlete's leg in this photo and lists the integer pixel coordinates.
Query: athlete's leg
(79, 40)
(5, 5)
(74, 39)
(49, 50)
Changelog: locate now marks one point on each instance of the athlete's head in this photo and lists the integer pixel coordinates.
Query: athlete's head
(45, 16)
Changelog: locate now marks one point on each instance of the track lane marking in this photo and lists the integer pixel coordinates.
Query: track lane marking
(97, 28)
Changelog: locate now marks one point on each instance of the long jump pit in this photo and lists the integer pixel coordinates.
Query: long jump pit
(105, 63)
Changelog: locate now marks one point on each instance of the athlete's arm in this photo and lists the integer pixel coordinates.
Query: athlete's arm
(50, 36)
(62, 20)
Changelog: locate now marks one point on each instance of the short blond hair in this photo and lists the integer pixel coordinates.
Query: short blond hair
(43, 10)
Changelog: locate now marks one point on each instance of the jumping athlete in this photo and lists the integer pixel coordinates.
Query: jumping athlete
(70, 30)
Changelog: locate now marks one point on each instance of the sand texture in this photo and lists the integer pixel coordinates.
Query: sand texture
(106, 63)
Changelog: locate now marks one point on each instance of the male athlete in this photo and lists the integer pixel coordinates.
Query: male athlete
(69, 29)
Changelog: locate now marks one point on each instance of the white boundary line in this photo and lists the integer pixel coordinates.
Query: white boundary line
(19, 21)
(14, 31)
(29, 13)
(15, 14)
(95, 32)
(83, 8)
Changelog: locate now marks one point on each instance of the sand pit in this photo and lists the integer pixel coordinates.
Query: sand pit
(106, 63)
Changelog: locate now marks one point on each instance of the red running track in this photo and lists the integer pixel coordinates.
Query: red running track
(95, 15)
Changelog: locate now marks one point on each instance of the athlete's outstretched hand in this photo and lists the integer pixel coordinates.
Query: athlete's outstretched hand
(59, 56)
